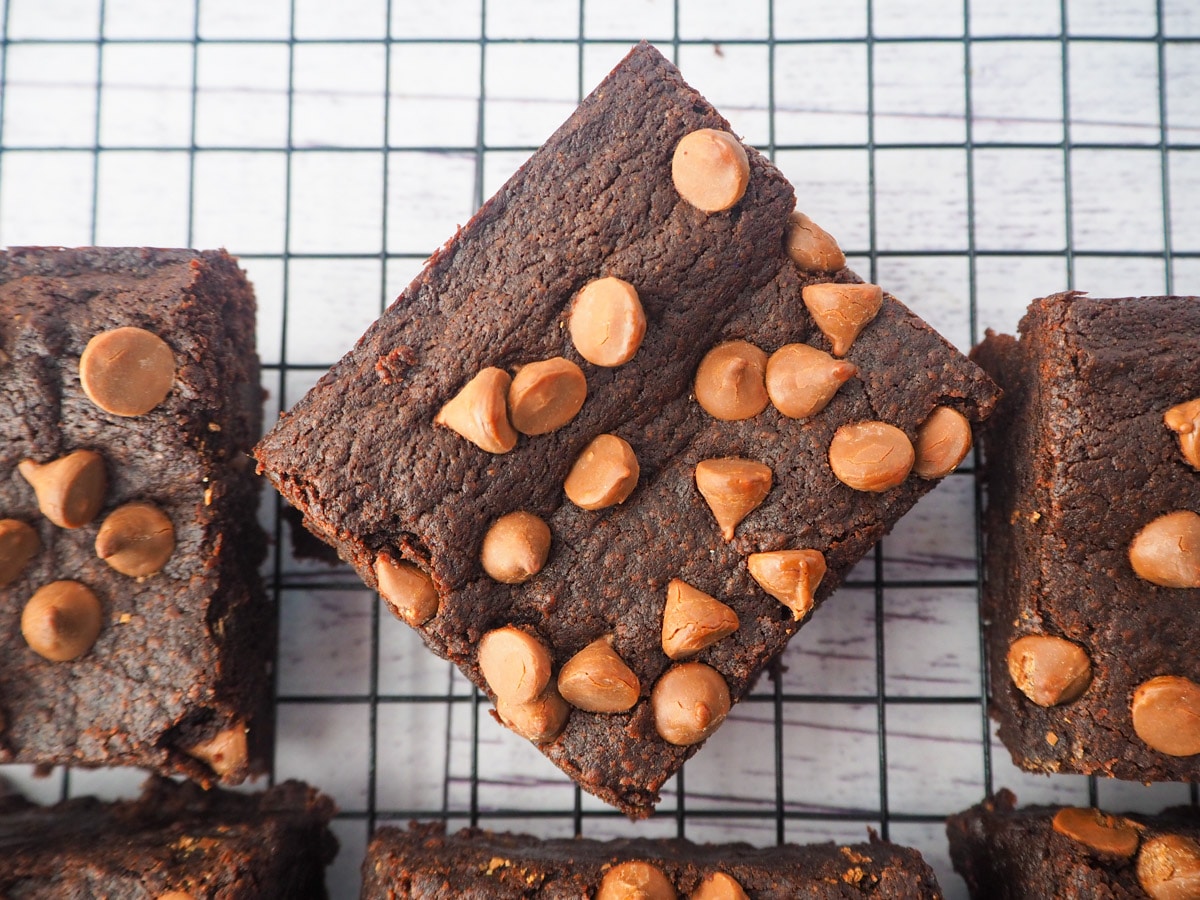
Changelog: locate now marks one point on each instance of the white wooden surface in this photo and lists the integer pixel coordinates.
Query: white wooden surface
(940, 135)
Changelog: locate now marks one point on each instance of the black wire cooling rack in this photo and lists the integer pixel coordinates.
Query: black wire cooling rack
(1068, 131)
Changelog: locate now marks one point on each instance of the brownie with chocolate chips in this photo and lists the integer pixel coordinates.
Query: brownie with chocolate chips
(424, 861)
(175, 842)
(134, 628)
(623, 434)
(1093, 537)
(1071, 853)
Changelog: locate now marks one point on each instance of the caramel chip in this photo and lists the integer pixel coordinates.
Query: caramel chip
(515, 664)
(1049, 670)
(801, 380)
(871, 456)
(515, 547)
(733, 488)
(61, 621)
(127, 371)
(479, 412)
(1184, 420)
(693, 620)
(408, 591)
(539, 720)
(224, 752)
(811, 247)
(943, 441)
(730, 382)
(604, 474)
(790, 576)
(842, 311)
(19, 543)
(1166, 715)
(1168, 868)
(546, 395)
(1094, 829)
(596, 679)
(70, 490)
(635, 880)
(710, 169)
(689, 702)
(719, 886)
(607, 322)
(136, 539)
(1167, 551)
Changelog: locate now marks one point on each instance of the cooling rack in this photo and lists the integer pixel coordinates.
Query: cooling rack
(969, 155)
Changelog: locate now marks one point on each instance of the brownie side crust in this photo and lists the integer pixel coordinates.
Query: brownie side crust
(425, 862)
(182, 654)
(175, 837)
(1078, 462)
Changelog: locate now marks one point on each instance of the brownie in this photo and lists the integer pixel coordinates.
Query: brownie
(1092, 666)
(158, 654)
(175, 841)
(424, 861)
(1067, 853)
(485, 544)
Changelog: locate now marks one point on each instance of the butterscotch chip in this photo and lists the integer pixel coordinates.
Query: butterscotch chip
(1184, 420)
(733, 488)
(719, 886)
(545, 396)
(943, 441)
(801, 380)
(607, 322)
(70, 490)
(175, 895)
(1168, 868)
(710, 169)
(136, 539)
(811, 247)
(731, 381)
(790, 576)
(871, 456)
(61, 621)
(693, 620)
(842, 311)
(1092, 828)
(479, 412)
(1049, 670)
(604, 474)
(1166, 715)
(408, 591)
(596, 679)
(515, 547)
(127, 371)
(515, 664)
(689, 702)
(19, 543)
(225, 752)
(635, 880)
(539, 720)
(1167, 551)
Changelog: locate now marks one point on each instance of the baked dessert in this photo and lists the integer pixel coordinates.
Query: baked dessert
(175, 842)
(613, 541)
(424, 861)
(1091, 534)
(1068, 853)
(134, 629)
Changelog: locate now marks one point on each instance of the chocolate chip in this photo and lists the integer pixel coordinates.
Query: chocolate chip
(693, 620)
(731, 381)
(539, 720)
(515, 664)
(70, 490)
(19, 543)
(1166, 715)
(604, 474)
(607, 322)
(596, 679)
(225, 752)
(842, 311)
(1049, 670)
(710, 169)
(635, 880)
(61, 621)
(1168, 868)
(871, 456)
(1167, 551)
(127, 371)
(546, 395)
(719, 886)
(790, 576)
(479, 412)
(811, 247)
(733, 488)
(1092, 828)
(1184, 420)
(689, 702)
(136, 539)
(943, 441)
(408, 591)
(515, 547)
(801, 380)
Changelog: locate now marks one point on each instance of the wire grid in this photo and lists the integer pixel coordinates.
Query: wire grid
(393, 733)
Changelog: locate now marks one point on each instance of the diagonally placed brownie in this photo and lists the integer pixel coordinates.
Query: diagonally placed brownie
(599, 453)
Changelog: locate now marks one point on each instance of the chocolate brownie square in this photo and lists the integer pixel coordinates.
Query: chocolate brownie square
(1092, 537)
(564, 456)
(134, 629)
(175, 842)
(1069, 853)
(424, 862)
